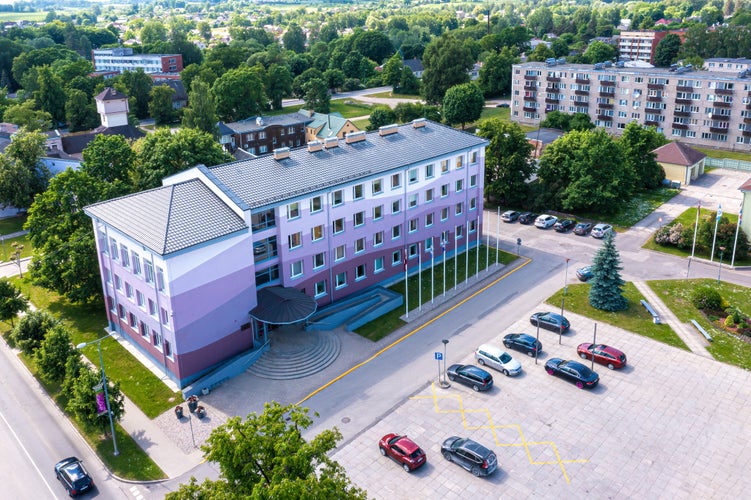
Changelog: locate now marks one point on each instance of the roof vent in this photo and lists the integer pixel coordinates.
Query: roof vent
(259, 121)
(331, 142)
(314, 146)
(355, 137)
(388, 129)
(419, 122)
(281, 153)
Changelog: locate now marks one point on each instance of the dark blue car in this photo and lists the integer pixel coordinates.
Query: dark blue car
(523, 342)
(573, 371)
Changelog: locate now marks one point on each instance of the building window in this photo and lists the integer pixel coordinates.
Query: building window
(261, 149)
(167, 349)
(156, 339)
(444, 167)
(459, 162)
(262, 220)
(429, 219)
(338, 226)
(136, 261)
(143, 329)
(316, 204)
(317, 232)
(473, 180)
(319, 260)
(320, 288)
(428, 195)
(413, 250)
(359, 245)
(132, 320)
(293, 211)
(118, 283)
(140, 299)
(459, 208)
(378, 265)
(444, 213)
(413, 225)
(378, 212)
(340, 252)
(429, 171)
(165, 317)
(444, 190)
(396, 232)
(341, 279)
(396, 206)
(396, 258)
(473, 157)
(113, 248)
(360, 272)
(159, 279)
(267, 275)
(412, 201)
(445, 235)
(124, 253)
(459, 185)
(396, 181)
(377, 186)
(337, 198)
(294, 240)
(473, 203)
(128, 290)
(359, 218)
(107, 275)
(412, 175)
(357, 192)
(472, 226)
(296, 269)
(148, 271)
(459, 232)
(152, 308)
(120, 311)
(378, 238)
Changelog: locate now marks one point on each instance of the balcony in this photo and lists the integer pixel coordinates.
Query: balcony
(681, 113)
(654, 98)
(651, 123)
(553, 79)
(723, 104)
(583, 81)
(746, 133)
(605, 105)
(581, 92)
(530, 108)
(723, 91)
(530, 77)
(530, 98)
(682, 88)
(748, 106)
(656, 111)
(530, 86)
(747, 119)
(722, 118)
(683, 101)
(680, 126)
(655, 86)
(607, 83)
(607, 93)
(550, 100)
(605, 117)
(718, 130)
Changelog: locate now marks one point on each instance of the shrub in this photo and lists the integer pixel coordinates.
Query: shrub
(662, 237)
(735, 313)
(706, 298)
(742, 325)
(729, 321)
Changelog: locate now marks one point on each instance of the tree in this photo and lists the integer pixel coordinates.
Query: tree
(53, 354)
(294, 39)
(278, 84)
(638, 144)
(725, 236)
(153, 32)
(138, 88)
(495, 74)
(31, 329)
(162, 154)
(667, 50)
(83, 401)
(26, 116)
(580, 121)
(266, 456)
(541, 53)
(80, 112)
(11, 301)
(380, 116)
(508, 161)
(462, 104)
(239, 94)
(408, 83)
(599, 52)
(334, 79)
(606, 292)
(108, 158)
(303, 78)
(50, 96)
(200, 113)
(392, 71)
(160, 104)
(22, 175)
(316, 95)
(446, 61)
(372, 44)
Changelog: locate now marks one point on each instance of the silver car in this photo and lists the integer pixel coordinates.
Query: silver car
(545, 221)
(497, 358)
(601, 230)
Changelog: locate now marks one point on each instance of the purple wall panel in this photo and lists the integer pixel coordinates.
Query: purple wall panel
(191, 364)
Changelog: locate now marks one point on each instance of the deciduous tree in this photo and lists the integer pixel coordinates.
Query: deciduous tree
(50, 96)
(294, 39)
(138, 88)
(278, 84)
(83, 403)
(667, 50)
(160, 104)
(28, 334)
(108, 158)
(446, 61)
(392, 71)
(239, 94)
(316, 95)
(22, 174)
(638, 143)
(606, 292)
(508, 161)
(495, 74)
(80, 112)
(11, 301)
(200, 113)
(380, 116)
(462, 104)
(53, 354)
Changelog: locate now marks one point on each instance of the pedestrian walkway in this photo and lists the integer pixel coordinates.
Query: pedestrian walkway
(695, 342)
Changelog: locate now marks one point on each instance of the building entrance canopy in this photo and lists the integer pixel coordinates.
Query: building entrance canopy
(281, 306)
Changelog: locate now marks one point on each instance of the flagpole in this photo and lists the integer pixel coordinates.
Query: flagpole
(456, 254)
(497, 234)
(477, 250)
(406, 285)
(419, 276)
(696, 226)
(737, 230)
(716, 223)
(487, 252)
(466, 252)
(432, 265)
(443, 254)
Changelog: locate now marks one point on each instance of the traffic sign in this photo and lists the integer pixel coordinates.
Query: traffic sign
(438, 355)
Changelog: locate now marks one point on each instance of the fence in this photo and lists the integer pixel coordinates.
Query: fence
(728, 163)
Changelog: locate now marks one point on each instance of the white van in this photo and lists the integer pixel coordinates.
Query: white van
(497, 358)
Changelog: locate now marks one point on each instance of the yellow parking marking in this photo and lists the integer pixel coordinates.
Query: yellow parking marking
(408, 335)
(493, 427)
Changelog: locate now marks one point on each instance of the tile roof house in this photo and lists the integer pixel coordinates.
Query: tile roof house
(259, 135)
(322, 125)
(415, 65)
(182, 265)
(681, 163)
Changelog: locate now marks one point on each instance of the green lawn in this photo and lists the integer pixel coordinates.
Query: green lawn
(350, 108)
(719, 153)
(379, 328)
(391, 95)
(634, 319)
(726, 347)
(633, 210)
(12, 224)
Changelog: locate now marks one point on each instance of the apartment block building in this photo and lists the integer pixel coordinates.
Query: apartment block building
(705, 108)
(260, 135)
(639, 45)
(122, 59)
(182, 265)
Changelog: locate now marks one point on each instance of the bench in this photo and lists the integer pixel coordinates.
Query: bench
(655, 316)
(701, 330)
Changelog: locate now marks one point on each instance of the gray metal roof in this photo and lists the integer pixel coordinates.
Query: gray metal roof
(170, 218)
(264, 181)
(250, 125)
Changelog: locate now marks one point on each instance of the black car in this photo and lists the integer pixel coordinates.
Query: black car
(73, 475)
(564, 225)
(528, 218)
(510, 216)
(472, 376)
(573, 371)
(471, 455)
(523, 342)
(550, 321)
(583, 228)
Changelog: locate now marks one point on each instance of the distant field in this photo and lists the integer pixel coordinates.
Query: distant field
(22, 16)
(719, 153)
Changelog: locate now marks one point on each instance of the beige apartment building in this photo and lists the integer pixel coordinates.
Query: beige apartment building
(704, 108)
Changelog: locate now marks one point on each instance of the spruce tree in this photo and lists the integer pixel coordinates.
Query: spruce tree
(607, 285)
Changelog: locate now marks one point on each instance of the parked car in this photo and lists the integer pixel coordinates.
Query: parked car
(403, 451)
(550, 321)
(502, 105)
(476, 378)
(584, 273)
(601, 230)
(544, 221)
(495, 357)
(73, 475)
(573, 371)
(583, 228)
(510, 216)
(527, 218)
(564, 225)
(470, 454)
(603, 354)
(523, 342)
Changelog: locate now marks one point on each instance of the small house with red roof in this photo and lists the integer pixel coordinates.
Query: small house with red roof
(681, 163)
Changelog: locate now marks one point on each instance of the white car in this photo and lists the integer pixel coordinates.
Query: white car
(601, 230)
(495, 357)
(545, 221)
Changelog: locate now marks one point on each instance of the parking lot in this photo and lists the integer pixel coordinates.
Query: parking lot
(670, 424)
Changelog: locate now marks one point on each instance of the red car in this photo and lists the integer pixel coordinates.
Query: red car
(603, 354)
(403, 451)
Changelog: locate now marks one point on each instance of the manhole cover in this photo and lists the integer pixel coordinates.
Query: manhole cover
(345, 420)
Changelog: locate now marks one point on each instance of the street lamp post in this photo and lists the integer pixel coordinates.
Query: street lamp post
(98, 343)
(565, 278)
(719, 269)
(445, 381)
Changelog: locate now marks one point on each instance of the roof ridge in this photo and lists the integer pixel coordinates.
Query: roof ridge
(169, 218)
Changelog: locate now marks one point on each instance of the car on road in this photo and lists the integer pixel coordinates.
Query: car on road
(495, 357)
(470, 454)
(472, 376)
(545, 221)
(527, 218)
(510, 215)
(74, 476)
(604, 355)
(564, 225)
(583, 228)
(502, 105)
(523, 342)
(601, 230)
(584, 273)
(573, 371)
(403, 451)
(550, 321)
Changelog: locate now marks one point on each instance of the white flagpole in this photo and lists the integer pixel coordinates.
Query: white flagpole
(466, 252)
(716, 223)
(456, 254)
(406, 286)
(696, 226)
(432, 265)
(419, 276)
(487, 252)
(737, 230)
(497, 235)
(443, 254)
(477, 250)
